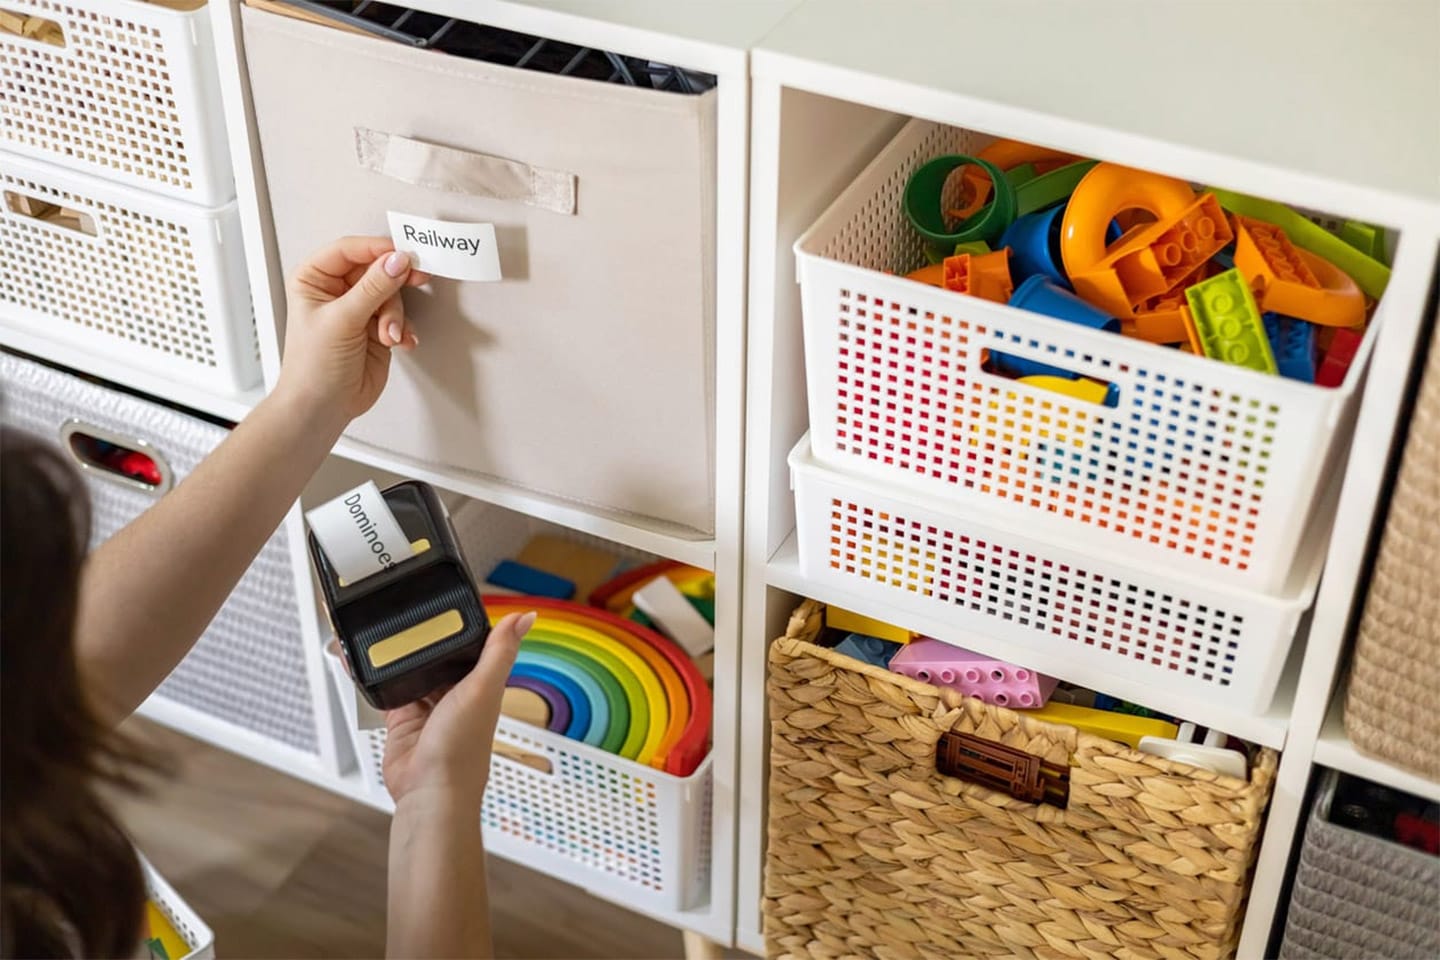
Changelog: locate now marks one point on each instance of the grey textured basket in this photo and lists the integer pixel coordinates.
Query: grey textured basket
(248, 670)
(1357, 895)
(1390, 703)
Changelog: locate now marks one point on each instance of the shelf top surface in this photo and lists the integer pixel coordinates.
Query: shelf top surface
(1333, 88)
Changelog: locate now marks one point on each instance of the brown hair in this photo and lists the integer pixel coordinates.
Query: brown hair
(70, 883)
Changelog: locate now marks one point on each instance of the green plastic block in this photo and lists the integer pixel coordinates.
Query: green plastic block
(1369, 274)
(1365, 237)
(1050, 188)
(934, 254)
(1021, 174)
(1228, 322)
(975, 248)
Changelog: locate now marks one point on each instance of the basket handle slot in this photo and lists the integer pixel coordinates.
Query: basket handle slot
(1022, 775)
(509, 751)
(463, 171)
(45, 211)
(30, 27)
(1051, 377)
(128, 461)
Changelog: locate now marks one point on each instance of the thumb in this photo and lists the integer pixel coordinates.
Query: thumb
(381, 280)
(486, 682)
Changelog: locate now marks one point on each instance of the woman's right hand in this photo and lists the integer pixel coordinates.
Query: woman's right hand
(441, 745)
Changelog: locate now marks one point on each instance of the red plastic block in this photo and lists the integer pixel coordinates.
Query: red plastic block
(986, 275)
(975, 675)
(1344, 344)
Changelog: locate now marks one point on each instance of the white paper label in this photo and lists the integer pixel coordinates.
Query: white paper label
(358, 533)
(462, 251)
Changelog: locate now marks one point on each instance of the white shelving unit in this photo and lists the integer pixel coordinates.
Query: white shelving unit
(837, 77)
(710, 38)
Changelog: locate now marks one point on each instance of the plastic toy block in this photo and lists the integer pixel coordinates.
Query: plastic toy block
(1050, 189)
(1369, 274)
(871, 650)
(1292, 281)
(1228, 323)
(1162, 319)
(1081, 388)
(1292, 342)
(1338, 356)
(1009, 156)
(974, 248)
(1021, 174)
(1365, 237)
(934, 274)
(973, 674)
(1156, 259)
(510, 575)
(837, 618)
(1211, 755)
(1102, 723)
(986, 276)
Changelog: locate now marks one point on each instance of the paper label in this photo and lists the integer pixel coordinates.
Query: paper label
(462, 251)
(358, 533)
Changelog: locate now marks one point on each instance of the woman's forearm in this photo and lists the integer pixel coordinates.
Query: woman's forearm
(150, 591)
(437, 903)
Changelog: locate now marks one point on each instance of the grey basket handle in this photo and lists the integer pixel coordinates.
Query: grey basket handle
(462, 171)
(73, 428)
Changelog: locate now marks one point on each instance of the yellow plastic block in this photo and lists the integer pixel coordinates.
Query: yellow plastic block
(1125, 727)
(172, 945)
(838, 618)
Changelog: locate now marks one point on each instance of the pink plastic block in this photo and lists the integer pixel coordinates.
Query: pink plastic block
(994, 681)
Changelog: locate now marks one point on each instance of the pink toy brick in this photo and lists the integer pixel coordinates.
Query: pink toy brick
(973, 674)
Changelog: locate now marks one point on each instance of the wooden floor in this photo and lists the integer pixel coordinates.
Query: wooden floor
(279, 868)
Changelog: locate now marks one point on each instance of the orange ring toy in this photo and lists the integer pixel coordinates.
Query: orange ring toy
(1007, 155)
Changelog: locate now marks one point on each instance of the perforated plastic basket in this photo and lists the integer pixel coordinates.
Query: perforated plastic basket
(157, 284)
(197, 936)
(1200, 640)
(1201, 467)
(589, 817)
(247, 673)
(123, 89)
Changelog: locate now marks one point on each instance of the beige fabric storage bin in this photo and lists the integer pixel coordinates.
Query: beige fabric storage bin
(587, 373)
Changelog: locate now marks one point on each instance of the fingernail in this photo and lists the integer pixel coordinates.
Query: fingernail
(526, 621)
(397, 263)
(414, 340)
(394, 331)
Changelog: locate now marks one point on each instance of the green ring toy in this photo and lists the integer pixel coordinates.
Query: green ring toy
(924, 207)
(1050, 188)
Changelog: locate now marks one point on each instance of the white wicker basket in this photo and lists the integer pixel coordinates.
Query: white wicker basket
(197, 936)
(153, 283)
(1201, 467)
(1198, 639)
(130, 92)
(248, 671)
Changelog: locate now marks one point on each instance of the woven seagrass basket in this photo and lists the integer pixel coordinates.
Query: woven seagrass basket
(874, 853)
(1390, 708)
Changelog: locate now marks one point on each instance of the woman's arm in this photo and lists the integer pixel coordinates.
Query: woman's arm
(437, 762)
(150, 590)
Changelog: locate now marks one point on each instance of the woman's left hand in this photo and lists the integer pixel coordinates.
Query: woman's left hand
(345, 315)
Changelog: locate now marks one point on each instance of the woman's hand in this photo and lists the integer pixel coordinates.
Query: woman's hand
(441, 745)
(345, 315)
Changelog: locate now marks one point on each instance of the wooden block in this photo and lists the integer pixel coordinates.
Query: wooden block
(527, 706)
(31, 206)
(583, 565)
(12, 22)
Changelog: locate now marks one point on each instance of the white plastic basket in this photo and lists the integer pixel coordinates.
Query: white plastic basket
(1202, 467)
(1198, 639)
(197, 936)
(150, 282)
(246, 676)
(122, 89)
(591, 818)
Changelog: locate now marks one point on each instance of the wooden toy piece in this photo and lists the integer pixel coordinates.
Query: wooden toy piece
(12, 22)
(973, 674)
(528, 580)
(162, 939)
(583, 565)
(1104, 723)
(527, 706)
(838, 618)
(663, 603)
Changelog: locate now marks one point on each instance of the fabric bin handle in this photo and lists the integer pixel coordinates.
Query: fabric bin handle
(462, 171)
(1022, 775)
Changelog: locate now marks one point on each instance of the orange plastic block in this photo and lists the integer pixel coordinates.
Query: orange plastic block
(1292, 281)
(1154, 260)
(1163, 319)
(986, 275)
(1007, 155)
(934, 275)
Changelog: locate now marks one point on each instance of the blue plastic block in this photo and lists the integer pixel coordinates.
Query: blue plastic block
(529, 581)
(871, 650)
(1293, 343)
